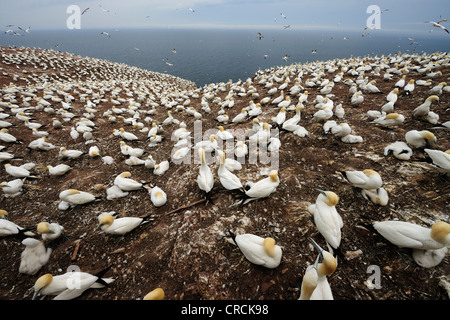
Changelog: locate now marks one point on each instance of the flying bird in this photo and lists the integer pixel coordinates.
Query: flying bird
(105, 33)
(84, 11)
(439, 25)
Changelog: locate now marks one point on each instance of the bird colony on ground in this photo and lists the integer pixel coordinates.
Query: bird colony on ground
(103, 169)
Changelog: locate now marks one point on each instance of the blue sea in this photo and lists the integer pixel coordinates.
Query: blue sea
(212, 56)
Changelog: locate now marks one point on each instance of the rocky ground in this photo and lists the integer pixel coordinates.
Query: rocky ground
(182, 248)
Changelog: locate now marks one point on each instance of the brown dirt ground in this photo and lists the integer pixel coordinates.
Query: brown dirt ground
(183, 251)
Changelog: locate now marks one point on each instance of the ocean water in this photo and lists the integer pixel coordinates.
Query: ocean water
(211, 56)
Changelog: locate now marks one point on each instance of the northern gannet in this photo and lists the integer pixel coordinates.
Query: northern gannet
(158, 196)
(9, 228)
(156, 294)
(71, 154)
(125, 183)
(34, 256)
(49, 231)
(76, 197)
(421, 239)
(118, 226)
(18, 172)
(258, 250)
(378, 196)
(326, 218)
(398, 149)
(439, 159)
(12, 188)
(263, 188)
(390, 119)
(324, 269)
(309, 282)
(420, 139)
(228, 180)
(205, 178)
(424, 108)
(69, 285)
(366, 179)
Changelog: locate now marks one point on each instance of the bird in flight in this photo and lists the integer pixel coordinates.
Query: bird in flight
(84, 11)
(105, 33)
(25, 30)
(286, 57)
(260, 36)
(438, 24)
(191, 10)
(283, 16)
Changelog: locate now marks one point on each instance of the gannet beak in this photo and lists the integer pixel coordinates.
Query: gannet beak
(35, 294)
(318, 248)
(322, 192)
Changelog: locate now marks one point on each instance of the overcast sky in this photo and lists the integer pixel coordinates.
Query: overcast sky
(259, 14)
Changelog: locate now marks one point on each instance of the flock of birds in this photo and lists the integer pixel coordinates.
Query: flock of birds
(73, 100)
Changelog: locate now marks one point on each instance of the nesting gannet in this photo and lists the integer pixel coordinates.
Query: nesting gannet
(398, 149)
(228, 180)
(422, 240)
(378, 196)
(18, 172)
(339, 111)
(208, 145)
(127, 135)
(12, 188)
(401, 83)
(160, 168)
(41, 144)
(76, 197)
(7, 137)
(9, 228)
(94, 151)
(291, 123)
(241, 116)
(205, 178)
(156, 294)
(409, 87)
(125, 183)
(390, 119)
(241, 149)
(158, 196)
(50, 231)
(71, 154)
(118, 226)
(324, 269)
(420, 139)
(69, 285)
(341, 130)
(326, 218)
(34, 256)
(392, 96)
(424, 108)
(263, 188)
(439, 159)
(258, 250)
(357, 99)
(366, 179)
